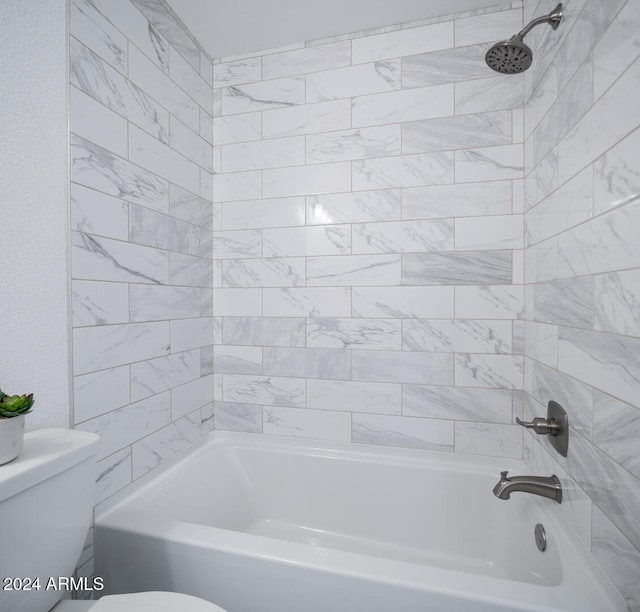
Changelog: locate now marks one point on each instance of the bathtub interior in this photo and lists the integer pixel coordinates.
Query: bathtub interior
(422, 511)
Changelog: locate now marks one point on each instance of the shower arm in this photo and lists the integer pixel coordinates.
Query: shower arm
(553, 19)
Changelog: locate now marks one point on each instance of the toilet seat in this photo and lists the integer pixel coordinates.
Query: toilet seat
(153, 601)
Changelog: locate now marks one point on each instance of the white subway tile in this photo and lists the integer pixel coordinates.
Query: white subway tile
(237, 128)
(306, 180)
(263, 95)
(353, 144)
(261, 154)
(317, 424)
(276, 212)
(306, 119)
(100, 392)
(307, 59)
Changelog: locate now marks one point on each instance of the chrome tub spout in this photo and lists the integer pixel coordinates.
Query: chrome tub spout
(546, 486)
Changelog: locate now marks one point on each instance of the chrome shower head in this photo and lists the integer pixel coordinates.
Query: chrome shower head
(513, 56)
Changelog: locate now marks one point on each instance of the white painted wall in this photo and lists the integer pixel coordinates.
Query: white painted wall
(34, 329)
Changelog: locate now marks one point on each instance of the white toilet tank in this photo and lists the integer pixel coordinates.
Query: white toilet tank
(46, 500)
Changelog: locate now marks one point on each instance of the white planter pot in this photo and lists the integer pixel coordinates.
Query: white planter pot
(11, 437)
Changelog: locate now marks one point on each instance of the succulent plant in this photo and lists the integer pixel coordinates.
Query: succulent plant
(14, 405)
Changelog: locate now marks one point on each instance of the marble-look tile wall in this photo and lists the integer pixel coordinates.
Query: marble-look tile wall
(582, 272)
(368, 241)
(141, 235)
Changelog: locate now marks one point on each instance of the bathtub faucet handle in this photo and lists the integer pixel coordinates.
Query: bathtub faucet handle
(545, 427)
(556, 426)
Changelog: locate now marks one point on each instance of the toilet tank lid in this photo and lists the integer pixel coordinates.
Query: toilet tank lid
(46, 452)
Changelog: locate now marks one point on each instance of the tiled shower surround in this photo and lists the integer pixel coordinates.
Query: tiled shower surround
(388, 243)
(141, 220)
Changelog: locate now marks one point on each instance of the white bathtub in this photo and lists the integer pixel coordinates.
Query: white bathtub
(264, 524)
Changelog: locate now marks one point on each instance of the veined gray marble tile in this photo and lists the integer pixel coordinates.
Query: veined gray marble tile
(100, 392)
(94, 212)
(489, 94)
(261, 214)
(490, 163)
(237, 302)
(113, 473)
(492, 439)
(271, 272)
(468, 268)
(576, 397)
(403, 105)
(307, 59)
(462, 200)
(317, 424)
(457, 403)
(460, 132)
(152, 450)
(566, 207)
(605, 244)
(155, 303)
(306, 119)
(97, 33)
(404, 432)
(307, 362)
(489, 371)
(237, 244)
(248, 70)
(264, 95)
(617, 302)
(378, 205)
(97, 168)
(446, 66)
(112, 260)
(155, 82)
(96, 123)
(237, 186)
(307, 302)
(102, 82)
(264, 331)
(403, 367)
(606, 361)
(616, 428)
(307, 241)
(403, 171)
(128, 19)
(568, 301)
(351, 270)
(189, 143)
(206, 360)
(306, 180)
(541, 342)
(207, 422)
(403, 236)
(490, 232)
(237, 360)
(206, 125)
(489, 302)
(154, 229)
(99, 303)
(374, 77)
(165, 161)
(165, 22)
(612, 488)
(261, 154)
(230, 416)
(353, 396)
(617, 556)
(403, 302)
(188, 334)
(354, 333)
(360, 143)
(157, 375)
(617, 48)
(206, 302)
(486, 28)
(616, 174)
(403, 42)
(124, 426)
(190, 271)
(269, 390)
(237, 128)
(97, 348)
(217, 102)
(191, 395)
(457, 335)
